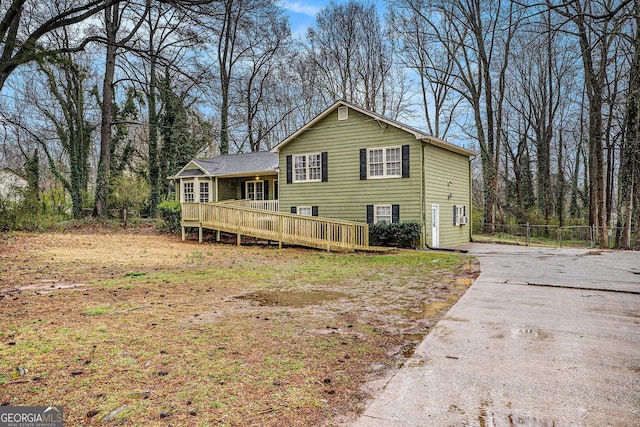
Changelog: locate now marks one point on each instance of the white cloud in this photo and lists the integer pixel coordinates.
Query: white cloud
(301, 7)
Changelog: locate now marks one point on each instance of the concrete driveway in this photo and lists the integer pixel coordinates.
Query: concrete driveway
(544, 337)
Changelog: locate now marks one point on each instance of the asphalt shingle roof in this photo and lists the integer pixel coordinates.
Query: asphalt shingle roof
(237, 164)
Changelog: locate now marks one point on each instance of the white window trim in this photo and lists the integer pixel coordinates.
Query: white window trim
(384, 163)
(375, 213)
(192, 192)
(208, 192)
(307, 174)
(246, 189)
(461, 218)
(299, 208)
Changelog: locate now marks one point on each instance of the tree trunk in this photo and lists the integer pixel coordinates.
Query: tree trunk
(594, 79)
(629, 175)
(226, 47)
(102, 180)
(224, 119)
(154, 167)
(560, 180)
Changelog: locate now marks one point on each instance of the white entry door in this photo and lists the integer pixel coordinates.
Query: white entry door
(435, 226)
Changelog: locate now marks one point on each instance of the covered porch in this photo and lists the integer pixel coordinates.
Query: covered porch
(246, 176)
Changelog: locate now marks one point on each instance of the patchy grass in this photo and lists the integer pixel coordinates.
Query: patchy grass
(189, 334)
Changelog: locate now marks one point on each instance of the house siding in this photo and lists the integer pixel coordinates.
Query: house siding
(232, 188)
(345, 195)
(228, 189)
(446, 173)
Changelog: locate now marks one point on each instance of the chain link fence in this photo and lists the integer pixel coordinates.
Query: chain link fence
(549, 235)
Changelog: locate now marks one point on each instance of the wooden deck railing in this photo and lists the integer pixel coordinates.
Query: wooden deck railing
(266, 205)
(315, 232)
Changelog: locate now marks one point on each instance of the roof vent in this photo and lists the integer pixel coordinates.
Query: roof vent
(343, 113)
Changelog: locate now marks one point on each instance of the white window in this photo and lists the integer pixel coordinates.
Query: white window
(204, 192)
(188, 192)
(382, 213)
(307, 168)
(384, 162)
(255, 190)
(460, 215)
(305, 210)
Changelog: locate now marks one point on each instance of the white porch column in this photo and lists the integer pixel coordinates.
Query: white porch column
(196, 190)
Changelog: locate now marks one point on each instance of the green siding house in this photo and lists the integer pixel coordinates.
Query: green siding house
(348, 164)
(352, 164)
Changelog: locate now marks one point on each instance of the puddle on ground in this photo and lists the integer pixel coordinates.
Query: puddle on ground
(431, 310)
(462, 283)
(297, 299)
(415, 330)
(46, 285)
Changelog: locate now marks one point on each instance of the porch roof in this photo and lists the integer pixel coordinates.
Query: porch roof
(230, 165)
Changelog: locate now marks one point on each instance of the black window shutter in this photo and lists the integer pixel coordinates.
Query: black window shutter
(294, 209)
(265, 188)
(369, 214)
(363, 163)
(464, 211)
(289, 169)
(455, 215)
(395, 213)
(314, 211)
(405, 161)
(325, 168)
(243, 190)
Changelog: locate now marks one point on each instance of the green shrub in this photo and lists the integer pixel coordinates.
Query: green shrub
(170, 212)
(398, 233)
(130, 192)
(28, 214)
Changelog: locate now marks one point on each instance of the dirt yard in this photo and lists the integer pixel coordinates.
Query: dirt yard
(144, 329)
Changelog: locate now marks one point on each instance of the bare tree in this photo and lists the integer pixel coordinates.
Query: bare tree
(476, 36)
(257, 79)
(231, 24)
(351, 58)
(596, 25)
(629, 177)
(63, 129)
(114, 19)
(25, 23)
(541, 80)
(169, 39)
(421, 52)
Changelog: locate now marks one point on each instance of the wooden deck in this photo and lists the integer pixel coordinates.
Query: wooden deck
(315, 232)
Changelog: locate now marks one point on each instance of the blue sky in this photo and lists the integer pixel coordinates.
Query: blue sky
(302, 13)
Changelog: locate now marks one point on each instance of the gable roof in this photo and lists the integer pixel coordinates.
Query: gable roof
(229, 165)
(419, 135)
